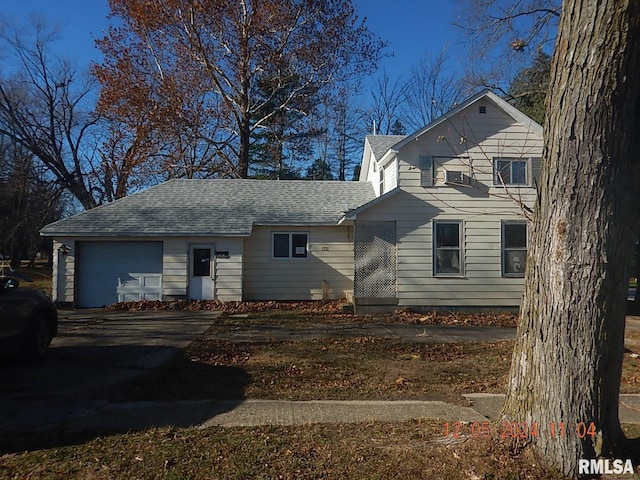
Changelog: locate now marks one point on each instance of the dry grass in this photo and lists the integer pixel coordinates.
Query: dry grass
(344, 368)
(411, 450)
(630, 382)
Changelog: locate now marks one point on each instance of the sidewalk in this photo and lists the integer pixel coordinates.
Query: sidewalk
(249, 413)
(53, 423)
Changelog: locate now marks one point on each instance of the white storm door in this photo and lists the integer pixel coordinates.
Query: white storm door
(202, 272)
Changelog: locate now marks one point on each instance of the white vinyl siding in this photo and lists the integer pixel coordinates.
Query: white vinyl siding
(326, 273)
(64, 261)
(468, 142)
(228, 268)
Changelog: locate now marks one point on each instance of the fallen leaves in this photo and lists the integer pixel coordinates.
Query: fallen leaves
(333, 309)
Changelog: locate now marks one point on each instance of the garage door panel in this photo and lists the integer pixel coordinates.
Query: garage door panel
(110, 272)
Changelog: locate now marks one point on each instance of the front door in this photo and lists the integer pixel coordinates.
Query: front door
(202, 272)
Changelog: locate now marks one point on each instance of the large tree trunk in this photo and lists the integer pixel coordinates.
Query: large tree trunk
(568, 356)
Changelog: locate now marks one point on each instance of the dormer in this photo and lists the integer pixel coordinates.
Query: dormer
(379, 162)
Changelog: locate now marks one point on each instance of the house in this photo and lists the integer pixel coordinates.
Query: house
(437, 219)
(448, 226)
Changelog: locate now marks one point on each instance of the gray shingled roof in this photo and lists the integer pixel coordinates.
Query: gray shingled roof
(380, 144)
(217, 207)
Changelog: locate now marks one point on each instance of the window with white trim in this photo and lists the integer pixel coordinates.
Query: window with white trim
(381, 180)
(514, 248)
(448, 252)
(510, 171)
(426, 171)
(290, 244)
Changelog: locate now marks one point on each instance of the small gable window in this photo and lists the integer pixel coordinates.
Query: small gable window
(510, 171)
(290, 244)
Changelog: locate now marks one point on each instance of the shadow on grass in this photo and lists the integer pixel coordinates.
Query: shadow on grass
(78, 394)
(183, 379)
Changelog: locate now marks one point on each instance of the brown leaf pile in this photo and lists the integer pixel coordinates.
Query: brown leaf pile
(326, 307)
(494, 319)
(332, 308)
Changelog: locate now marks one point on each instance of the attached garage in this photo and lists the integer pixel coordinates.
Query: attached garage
(151, 245)
(110, 272)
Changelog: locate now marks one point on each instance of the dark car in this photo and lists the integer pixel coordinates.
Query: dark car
(28, 321)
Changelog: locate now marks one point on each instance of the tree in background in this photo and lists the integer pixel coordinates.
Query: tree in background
(286, 135)
(430, 91)
(567, 359)
(510, 32)
(320, 170)
(387, 102)
(161, 119)
(45, 108)
(528, 89)
(29, 200)
(233, 47)
(407, 104)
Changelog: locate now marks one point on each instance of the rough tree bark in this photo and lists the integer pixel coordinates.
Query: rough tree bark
(568, 356)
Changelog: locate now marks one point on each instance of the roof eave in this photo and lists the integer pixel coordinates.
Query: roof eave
(142, 234)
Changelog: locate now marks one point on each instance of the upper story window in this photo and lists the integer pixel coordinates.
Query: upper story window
(510, 171)
(381, 179)
(290, 244)
(514, 248)
(448, 248)
(426, 171)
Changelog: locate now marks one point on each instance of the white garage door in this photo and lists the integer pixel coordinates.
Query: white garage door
(110, 272)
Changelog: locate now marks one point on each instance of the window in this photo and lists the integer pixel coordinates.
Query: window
(290, 244)
(426, 171)
(448, 258)
(510, 171)
(381, 180)
(201, 262)
(514, 248)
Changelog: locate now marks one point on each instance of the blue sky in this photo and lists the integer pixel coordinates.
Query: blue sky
(412, 28)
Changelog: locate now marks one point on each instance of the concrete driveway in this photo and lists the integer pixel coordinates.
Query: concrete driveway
(94, 350)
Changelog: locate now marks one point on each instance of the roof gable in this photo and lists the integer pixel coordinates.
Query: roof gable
(505, 106)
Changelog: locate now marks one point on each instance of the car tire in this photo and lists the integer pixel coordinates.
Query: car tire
(38, 338)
